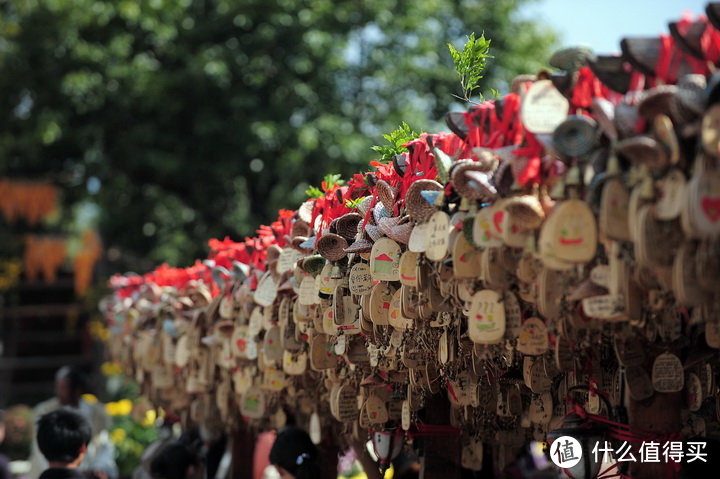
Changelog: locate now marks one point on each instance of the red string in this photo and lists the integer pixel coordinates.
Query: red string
(710, 44)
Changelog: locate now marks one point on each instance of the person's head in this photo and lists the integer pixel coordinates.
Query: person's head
(62, 437)
(70, 384)
(175, 461)
(294, 455)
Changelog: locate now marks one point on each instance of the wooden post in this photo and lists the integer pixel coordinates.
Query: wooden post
(243, 451)
(660, 414)
(441, 457)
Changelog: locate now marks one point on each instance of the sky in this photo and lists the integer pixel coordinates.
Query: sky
(600, 24)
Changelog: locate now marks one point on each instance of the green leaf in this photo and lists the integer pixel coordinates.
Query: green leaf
(396, 139)
(314, 192)
(354, 203)
(470, 63)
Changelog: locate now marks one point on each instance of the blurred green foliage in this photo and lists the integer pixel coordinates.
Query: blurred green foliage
(182, 120)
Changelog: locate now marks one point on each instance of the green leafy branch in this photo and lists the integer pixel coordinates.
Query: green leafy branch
(354, 203)
(396, 140)
(329, 183)
(470, 64)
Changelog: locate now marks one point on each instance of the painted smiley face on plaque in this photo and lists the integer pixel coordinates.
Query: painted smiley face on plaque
(385, 260)
(486, 321)
(570, 233)
(482, 233)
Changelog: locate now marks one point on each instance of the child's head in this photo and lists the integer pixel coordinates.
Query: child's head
(294, 455)
(175, 461)
(62, 437)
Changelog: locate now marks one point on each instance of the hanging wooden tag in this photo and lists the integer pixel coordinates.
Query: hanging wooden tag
(671, 195)
(704, 193)
(357, 352)
(513, 315)
(483, 228)
(326, 283)
(541, 409)
(471, 456)
(685, 284)
(533, 339)
(437, 241)
(564, 358)
(329, 326)
(308, 294)
(486, 322)
(693, 392)
(380, 298)
(266, 291)
(613, 218)
(408, 268)
(242, 380)
(347, 410)
(608, 307)
(376, 410)
(712, 334)
(418, 238)
(550, 291)
(543, 108)
(665, 133)
(395, 314)
(273, 380)
(710, 132)
(385, 260)
(294, 364)
(570, 233)
(360, 280)
(287, 260)
(406, 416)
(321, 357)
(182, 351)
(466, 259)
(510, 228)
(227, 307)
(252, 403)
(539, 381)
(409, 302)
(629, 350)
(667, 374)
(638, 383)
(600, 275)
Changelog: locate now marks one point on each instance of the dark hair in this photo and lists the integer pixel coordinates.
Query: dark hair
(61, 434)
(75, 377)
(294, 451)
(173, 461)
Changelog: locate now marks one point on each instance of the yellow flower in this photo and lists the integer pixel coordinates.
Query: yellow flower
(122, 407)
(111, 369)
(118, 435)
(149, 419)
(90, 398)
(125, 407)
